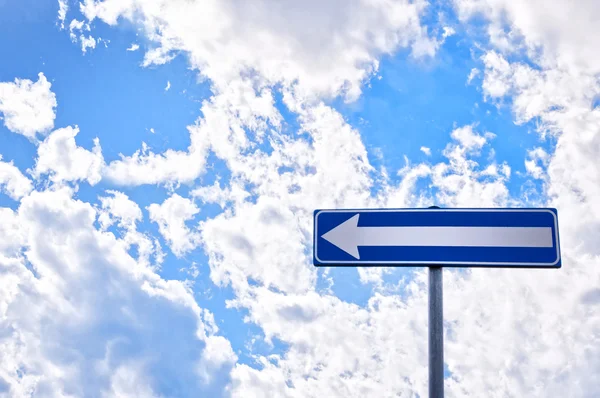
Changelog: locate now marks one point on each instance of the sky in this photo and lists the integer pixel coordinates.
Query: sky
(160, 162)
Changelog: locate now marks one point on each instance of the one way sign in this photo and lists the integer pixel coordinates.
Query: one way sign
(516, 238)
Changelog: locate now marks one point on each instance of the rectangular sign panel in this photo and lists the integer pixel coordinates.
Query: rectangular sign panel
(511, 238)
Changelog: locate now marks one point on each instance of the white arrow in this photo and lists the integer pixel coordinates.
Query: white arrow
(348, 236)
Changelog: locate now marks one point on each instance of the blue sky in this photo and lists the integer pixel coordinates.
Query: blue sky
(245, 118)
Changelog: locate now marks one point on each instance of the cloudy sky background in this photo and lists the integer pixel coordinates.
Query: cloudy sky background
(160, 162)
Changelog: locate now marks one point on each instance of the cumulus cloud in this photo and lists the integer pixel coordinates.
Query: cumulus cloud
(554, 36)
(117, 207)
(338, 349)
(265, 240)
(10, 228)
(87, 42)
(147, 167)
(84, 317)
(460, 180)
(537, 162)
(12, 181)
(244, 65)
(283, 50)
(171, 216)
(227, 118)
(76, 29)
(28, 107)
(61, 158)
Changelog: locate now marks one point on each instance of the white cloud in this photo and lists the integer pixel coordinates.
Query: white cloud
(87, 42)
(134, 47)
(244, 63)
(555, 35)
(373, 275)
(272, 40)
(426, 150)
(129, 380)
(61, 158)
(63, 7)
(222, 196)
(289, 184)
(468, 139)
(12, 181)
(532, 166)
(338, 349)
(538, 92)
(215, 356)
(75, 26)
(227, 118)
(168, 86)
(27, 107)
(14, 237)
(261, 242)
(472, 75)
(85, 317)
(460, 181)
(119, 208)
(497, 69)
(147, 167)
(171, 216)
(448, 31)
(405, 194)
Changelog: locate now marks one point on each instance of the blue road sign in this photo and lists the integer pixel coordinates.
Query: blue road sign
(511, 238)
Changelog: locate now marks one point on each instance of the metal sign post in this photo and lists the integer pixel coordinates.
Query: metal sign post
(436, 238)
(436, 333)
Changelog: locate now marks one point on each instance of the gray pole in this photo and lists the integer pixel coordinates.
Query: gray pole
(436, 333)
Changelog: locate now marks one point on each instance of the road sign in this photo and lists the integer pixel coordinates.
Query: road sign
(513, 238)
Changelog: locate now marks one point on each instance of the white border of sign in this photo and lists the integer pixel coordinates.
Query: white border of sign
(441, 263)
